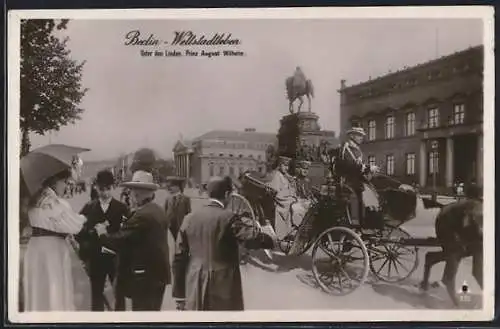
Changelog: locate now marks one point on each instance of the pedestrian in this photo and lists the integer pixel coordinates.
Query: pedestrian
(101, 261)
(142, 246)
(47, 271)
(206, 264)
(178, 205)
(93, 191)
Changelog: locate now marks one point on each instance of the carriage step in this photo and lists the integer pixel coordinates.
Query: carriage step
(425, 242)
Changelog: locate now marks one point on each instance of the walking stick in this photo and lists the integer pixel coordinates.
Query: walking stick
(74, 245)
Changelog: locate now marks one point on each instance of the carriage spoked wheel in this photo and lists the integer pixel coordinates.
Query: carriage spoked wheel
(340, 261)
(239, 205)
(391, 261)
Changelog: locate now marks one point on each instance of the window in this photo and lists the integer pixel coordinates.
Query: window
(221, 170)
(221, 154)
(259, 157)
(231, 170)
(372, 160)
(240, 156)
(211, 170)
(389, 127)
(410, 163)
(458, 114)
(434, 162)
(410, 124)
(372, 130)
(389, 160)
(433, 118)
(260, 169)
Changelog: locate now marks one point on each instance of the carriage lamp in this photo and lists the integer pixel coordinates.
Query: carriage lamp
(434, 148)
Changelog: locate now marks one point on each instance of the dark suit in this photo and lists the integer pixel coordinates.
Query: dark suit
(206, 264)
(143, 249)
(101, 265)
(176, 208)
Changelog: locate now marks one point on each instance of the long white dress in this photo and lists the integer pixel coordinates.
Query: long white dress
(48, 279)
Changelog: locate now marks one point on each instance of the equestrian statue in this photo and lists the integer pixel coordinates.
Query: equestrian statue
(298, 86)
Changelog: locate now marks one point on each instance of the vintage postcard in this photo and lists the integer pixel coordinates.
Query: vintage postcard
(273, 165)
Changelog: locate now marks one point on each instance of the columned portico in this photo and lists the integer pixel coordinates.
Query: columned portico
(423, 164)
(450, 175)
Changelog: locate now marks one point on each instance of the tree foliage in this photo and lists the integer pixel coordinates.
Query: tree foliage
(51, 88)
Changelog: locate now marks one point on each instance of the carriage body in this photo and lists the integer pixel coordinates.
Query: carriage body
(327, 222)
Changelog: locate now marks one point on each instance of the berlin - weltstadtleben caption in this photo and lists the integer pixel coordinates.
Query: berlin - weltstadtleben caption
(187, 44)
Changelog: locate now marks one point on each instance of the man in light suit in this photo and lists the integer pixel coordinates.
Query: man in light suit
(177, 206)
(283, 183)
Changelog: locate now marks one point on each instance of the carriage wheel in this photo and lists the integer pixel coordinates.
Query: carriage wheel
(239, 205)
(392, 261)
(340, 261)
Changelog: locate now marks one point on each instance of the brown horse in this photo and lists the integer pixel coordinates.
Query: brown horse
(298, 86)
(459, 232)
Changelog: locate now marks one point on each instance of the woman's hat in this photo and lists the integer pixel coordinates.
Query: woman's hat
(356, 131)
(105, 178)
(141, 180)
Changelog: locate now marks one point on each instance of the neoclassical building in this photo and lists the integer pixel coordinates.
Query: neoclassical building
(221, 152)
(424, 124)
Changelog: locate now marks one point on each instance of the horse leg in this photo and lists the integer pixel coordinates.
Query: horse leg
(300, 104)
(431, 258)
(450, 273)
(309, 102)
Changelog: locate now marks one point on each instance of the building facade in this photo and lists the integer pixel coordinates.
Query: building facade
(220, 153)
(424, 124)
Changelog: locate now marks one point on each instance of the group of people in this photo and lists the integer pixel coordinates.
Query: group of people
(294, 193)
(129, 246)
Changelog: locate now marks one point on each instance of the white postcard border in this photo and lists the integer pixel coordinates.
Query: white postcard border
(483, 12)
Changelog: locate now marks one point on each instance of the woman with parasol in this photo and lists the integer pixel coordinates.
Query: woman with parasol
(47, 273)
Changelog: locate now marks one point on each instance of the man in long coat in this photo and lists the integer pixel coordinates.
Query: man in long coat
(142, 247)
(206, 263)
(178, 205)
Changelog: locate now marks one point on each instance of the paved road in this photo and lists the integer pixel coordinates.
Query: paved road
(292, 286)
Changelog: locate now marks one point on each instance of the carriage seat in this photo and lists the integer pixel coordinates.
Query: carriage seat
(263, 178)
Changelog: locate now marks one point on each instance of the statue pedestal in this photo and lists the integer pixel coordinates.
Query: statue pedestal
(300, 137)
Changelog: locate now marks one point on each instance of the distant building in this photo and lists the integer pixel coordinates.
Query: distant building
(424, 122)
(221, 152)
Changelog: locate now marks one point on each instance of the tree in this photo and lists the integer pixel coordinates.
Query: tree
(51, 88)
(165, 168)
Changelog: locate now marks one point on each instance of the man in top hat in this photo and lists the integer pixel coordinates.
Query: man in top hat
(283, 183)
(178, 205)
(100, 260)
(142, 246)
(351, 167)
(206, 264)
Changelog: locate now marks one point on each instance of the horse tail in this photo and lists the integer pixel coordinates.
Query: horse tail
(289, 86)
(310, 87)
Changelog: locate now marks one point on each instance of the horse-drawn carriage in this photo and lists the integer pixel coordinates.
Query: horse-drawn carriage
(342, 251)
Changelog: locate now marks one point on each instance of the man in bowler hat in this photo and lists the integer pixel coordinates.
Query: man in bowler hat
(178, 205)
(142, 245)
(100, 260)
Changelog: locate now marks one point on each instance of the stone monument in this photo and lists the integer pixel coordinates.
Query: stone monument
(300, 137)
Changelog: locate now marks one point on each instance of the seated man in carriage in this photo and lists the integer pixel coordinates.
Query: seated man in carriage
(350, 166)
(284, 185)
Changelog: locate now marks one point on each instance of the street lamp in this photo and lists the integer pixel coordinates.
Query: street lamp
(434, 148)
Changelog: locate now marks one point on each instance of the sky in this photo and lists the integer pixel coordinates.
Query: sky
(136, 101)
